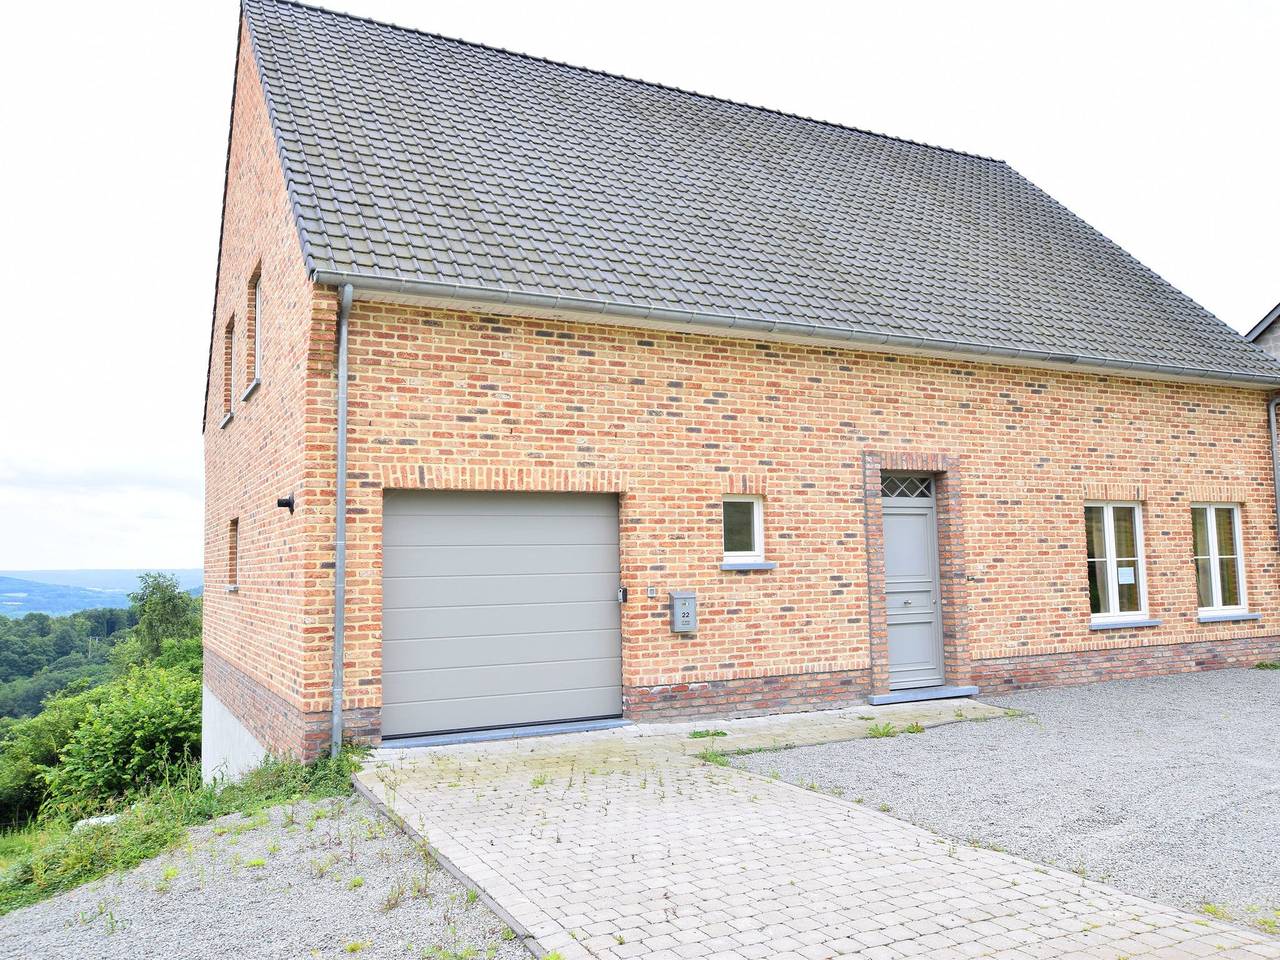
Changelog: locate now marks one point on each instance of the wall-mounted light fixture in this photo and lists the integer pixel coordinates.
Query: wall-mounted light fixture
(286, 502)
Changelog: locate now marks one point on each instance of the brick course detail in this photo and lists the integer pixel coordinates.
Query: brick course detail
(1067, 669)
(748, 697)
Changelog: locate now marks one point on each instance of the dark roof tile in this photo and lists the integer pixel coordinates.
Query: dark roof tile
(412, 156)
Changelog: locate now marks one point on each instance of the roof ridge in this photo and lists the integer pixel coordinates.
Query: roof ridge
(618, 76)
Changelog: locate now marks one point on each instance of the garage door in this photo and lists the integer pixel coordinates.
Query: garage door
(499, 609)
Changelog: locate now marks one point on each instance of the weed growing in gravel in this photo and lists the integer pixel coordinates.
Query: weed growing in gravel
(714, 757)
(355, 883)
(878, 731)
(355, 946)
(395, 896)
(256, 863)
(472, 896)
(507, 934)
(1268, 665)
(702, 734)
(913, 727)
(539, 781)
(1216, 911)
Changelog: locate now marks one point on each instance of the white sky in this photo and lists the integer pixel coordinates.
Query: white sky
(1155, 121)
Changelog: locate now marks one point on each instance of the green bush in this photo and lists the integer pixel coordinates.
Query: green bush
(30, 749)
(148, 721)
(47, 858)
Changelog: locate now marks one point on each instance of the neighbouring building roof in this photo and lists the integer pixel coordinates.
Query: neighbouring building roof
(1263, 325)
(457, 168)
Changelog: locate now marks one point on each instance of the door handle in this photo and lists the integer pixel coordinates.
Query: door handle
(906, 603)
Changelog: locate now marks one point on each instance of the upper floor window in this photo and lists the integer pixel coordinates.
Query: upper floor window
(1117, 584)
(228, 368)
(253, 334)
(1215, 539)
(233, 555)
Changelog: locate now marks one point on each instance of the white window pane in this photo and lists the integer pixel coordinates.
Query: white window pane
(1099, 590)
(739, 526)
(1128, 587)
(1199, 531)
(1225, 526)
(1229, 576)
(1126, 533)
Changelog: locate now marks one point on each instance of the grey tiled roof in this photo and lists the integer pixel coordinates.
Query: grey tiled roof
(418, 158)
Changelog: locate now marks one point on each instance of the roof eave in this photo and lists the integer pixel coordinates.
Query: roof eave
(636, 314)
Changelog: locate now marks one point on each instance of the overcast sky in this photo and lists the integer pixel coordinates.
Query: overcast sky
(1155, 121)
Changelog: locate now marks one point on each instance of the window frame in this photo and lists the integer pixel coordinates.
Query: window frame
(233, 555)
(1211, 536)
(228, 370)
(253, 324)
(1111, 560)
(757, 529)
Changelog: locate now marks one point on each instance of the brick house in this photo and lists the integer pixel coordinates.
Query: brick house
(659, 405)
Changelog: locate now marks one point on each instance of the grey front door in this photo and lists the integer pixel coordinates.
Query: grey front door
(912, 596)
(498, 609)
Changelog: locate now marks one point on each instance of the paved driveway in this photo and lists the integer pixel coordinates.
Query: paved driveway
(623, 843)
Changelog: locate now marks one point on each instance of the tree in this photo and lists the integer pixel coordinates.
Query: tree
(165, 612)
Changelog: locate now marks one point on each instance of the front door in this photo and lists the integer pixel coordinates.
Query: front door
(912, 597)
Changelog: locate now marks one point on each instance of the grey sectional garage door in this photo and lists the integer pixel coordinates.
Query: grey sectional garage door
(499, 609)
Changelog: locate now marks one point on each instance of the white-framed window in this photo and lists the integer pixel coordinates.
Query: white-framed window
(1219, 557)
(1117, 579)
(743, 523)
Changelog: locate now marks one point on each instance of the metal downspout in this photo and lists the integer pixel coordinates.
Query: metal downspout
(340, 532)
(1275, 454)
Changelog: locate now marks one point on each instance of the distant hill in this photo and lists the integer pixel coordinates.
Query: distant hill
(67, 591)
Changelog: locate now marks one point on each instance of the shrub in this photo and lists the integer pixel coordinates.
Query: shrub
(147, 721)
(30, 749)
(47, 858)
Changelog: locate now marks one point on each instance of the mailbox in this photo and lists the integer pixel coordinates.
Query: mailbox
(684, 611)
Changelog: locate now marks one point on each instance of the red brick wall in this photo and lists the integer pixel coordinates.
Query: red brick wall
(259, 455)
(445, 399)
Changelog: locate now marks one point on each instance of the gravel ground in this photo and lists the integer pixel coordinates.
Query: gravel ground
(324, 879)
(1168, 788)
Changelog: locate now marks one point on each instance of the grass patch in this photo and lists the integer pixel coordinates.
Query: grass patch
(703, 734)
(714, 757)
(46, 858)
(1268, 665)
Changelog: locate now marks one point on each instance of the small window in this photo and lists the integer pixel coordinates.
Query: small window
(253, 334)
(1215, 539)
(1113, 538)
(228, 368)
(233, 556)
(743, 529)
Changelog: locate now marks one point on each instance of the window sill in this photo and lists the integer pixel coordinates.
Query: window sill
(1227, 617)
(748, 565)
(250, 389)
(233, 588)
(1122, 624)
(226, 418)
